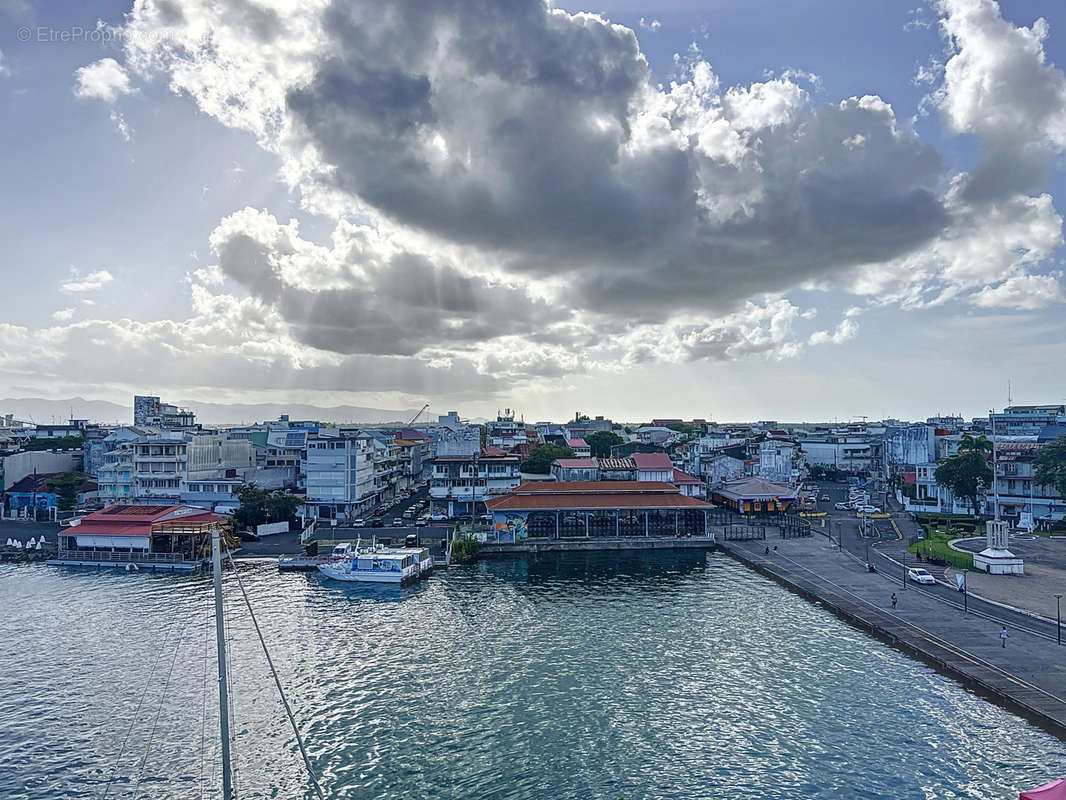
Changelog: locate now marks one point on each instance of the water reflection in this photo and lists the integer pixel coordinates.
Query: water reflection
(668, 675)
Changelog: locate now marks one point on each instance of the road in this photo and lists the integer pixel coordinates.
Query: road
(884, 545)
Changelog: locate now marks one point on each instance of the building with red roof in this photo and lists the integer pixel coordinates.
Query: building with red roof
(585, 509)
(653, 467)
(580, 447)
(176, 536)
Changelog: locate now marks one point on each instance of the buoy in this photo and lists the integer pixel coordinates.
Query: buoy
(42, 540)
(10, 542)
(38, 547)
(33, 542)
(18, 544)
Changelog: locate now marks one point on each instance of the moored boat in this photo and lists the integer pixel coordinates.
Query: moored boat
(369, 566)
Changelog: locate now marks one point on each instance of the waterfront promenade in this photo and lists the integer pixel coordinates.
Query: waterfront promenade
(1028, 675)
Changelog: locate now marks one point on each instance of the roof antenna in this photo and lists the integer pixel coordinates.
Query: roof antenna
(1010, 400)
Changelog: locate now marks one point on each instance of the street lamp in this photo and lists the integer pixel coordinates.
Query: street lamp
(1058, 618)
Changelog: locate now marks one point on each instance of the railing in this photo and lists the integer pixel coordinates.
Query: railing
(107, 556)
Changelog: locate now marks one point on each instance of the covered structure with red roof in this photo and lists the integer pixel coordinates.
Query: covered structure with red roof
(754, 494)
(586, 509)
(176, 536)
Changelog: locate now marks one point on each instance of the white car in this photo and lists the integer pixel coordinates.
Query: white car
(841, 506)
(868, 509)
(919, 575)
(439, 517)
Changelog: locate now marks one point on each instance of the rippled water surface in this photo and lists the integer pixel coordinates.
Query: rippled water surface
(673, 675)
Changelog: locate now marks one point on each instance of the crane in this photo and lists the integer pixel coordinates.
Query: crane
(419, 414)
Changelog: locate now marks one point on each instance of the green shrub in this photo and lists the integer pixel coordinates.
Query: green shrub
(465, 549)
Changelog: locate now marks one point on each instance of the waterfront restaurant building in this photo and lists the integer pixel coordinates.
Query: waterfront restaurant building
(754, 495)
(178, 535)
(548, 510)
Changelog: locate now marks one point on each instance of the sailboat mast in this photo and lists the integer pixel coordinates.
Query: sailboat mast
(223, 688)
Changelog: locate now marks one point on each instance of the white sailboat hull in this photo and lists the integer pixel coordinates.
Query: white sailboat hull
(342, 571)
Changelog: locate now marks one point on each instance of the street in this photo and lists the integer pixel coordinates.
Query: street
(885, 547)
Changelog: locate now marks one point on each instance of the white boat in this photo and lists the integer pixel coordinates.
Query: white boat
(423, 558)
(369, 566)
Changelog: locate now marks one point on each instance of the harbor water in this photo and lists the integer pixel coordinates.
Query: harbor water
(604, 675)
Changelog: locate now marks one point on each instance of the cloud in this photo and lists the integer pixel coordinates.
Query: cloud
(105, 80)
(846, 330)
(86, 283)
(121, 126)
(650, 25)
(63, 315)
(512, 186)
(4, 70)
(1023, 292)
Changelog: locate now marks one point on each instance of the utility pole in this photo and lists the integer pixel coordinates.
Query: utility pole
(223, 689)
(1058, 618)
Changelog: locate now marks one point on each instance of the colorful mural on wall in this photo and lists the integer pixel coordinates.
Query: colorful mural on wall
(510, 526)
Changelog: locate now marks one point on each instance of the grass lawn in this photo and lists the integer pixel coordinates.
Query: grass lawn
(935, 544)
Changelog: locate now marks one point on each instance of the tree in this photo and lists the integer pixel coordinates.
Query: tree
(683, 427)
(65, 485)
(54, 443)
(259, 506)
(964, 474)
(541, 458)
(970, 444)
(1051, 465)
(601, 442)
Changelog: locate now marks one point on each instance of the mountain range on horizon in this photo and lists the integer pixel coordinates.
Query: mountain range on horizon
(44, 411)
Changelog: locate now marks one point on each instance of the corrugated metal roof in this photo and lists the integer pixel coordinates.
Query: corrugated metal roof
(538, 501)
(597, 487)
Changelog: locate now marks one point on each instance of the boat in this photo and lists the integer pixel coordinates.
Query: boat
(366, 565)
(423, 558)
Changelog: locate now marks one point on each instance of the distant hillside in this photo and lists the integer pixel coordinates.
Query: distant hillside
(42, 411)
(45, 412)
(237, 413)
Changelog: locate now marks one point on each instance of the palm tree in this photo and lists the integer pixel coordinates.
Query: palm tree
(970, 444)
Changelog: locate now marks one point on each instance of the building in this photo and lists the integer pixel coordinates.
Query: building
(655, 467)
(1026, 420)
(586, 509)
(173, 536)
(461, 484)
(340, 476)
(754, 495)
(1022, 501)
(689, 485)
(580, 447)
(33, 497)
(575, 469)
(505, 432)
(776, 460)
(148, 410)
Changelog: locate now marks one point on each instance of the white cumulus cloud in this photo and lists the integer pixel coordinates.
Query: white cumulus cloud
(86, 283)
(105, 80)
(1023, 292)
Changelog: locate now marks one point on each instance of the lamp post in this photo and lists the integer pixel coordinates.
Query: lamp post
(1058, 618)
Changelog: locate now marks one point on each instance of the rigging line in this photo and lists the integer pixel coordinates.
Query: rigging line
(136, 713)
(277, 681)
(162, 697)
(203, 710)
(234, 765)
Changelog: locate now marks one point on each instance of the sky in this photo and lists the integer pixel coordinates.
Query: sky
(724, 209)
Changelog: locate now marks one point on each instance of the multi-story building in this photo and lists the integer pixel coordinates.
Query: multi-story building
(148, 410)
(506, 432)
(776, 461)
(461, 483)
(340, 475)
(1026, 420)
(1021, 499)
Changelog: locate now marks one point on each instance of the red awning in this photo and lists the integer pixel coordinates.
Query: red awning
(1056, 790)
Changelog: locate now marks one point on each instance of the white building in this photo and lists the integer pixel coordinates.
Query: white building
(460, 482)
(340, 476)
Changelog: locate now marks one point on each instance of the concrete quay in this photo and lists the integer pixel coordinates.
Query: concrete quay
(598, 543)
(1028, 676)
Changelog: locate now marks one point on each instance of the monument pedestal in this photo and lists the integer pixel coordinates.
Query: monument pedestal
(996, 558)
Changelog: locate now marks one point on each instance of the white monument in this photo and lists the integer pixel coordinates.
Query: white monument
(997, 558)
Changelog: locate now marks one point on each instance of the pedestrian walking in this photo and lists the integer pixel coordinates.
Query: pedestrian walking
(1003, 636)
(894, 601)
(766, 552)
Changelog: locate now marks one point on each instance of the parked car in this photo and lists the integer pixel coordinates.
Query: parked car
(841, 506)
(411, 540)
(826, 498)
(869, 510)
(919, 575)
(439, 517)
(421, 522)
(398, 522)
(409, 513)
(375, 522)
(358, 523)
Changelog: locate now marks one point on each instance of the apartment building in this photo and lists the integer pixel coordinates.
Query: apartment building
(340, 475)
(460, 483)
